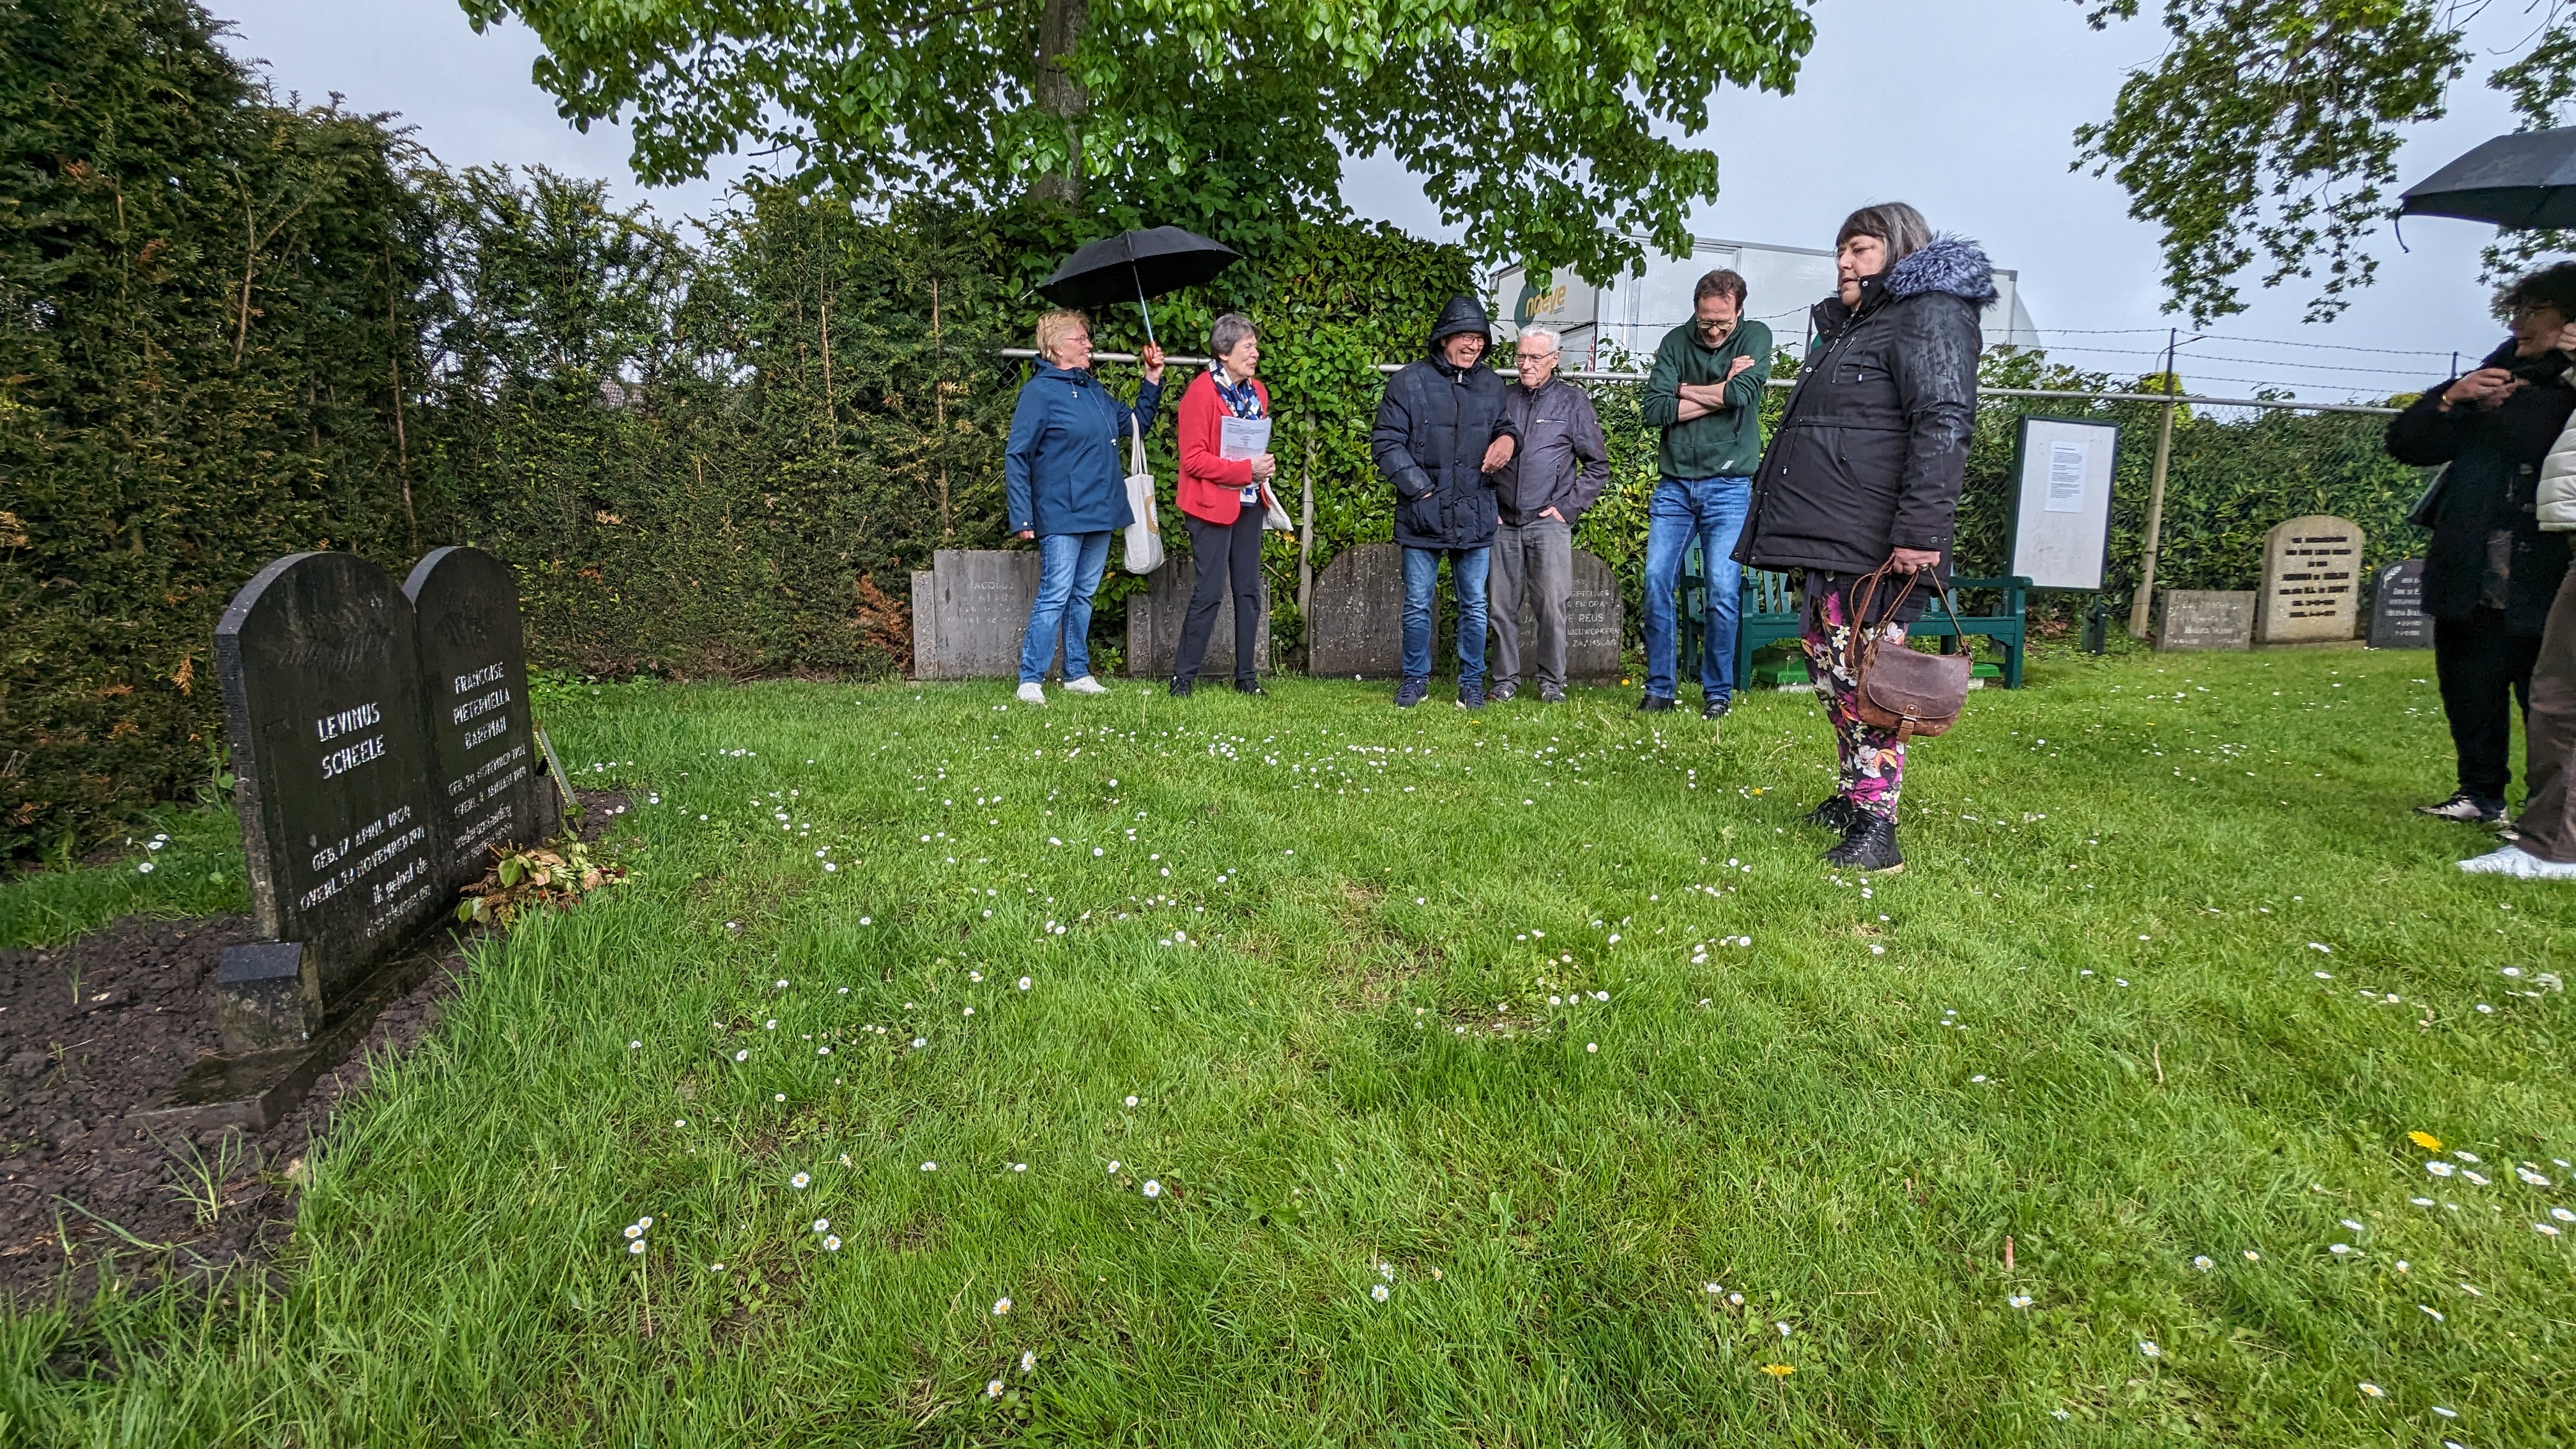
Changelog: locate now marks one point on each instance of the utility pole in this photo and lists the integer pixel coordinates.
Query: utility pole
(2139, 606)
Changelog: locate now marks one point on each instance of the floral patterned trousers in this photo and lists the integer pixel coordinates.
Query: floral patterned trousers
(1870, 762)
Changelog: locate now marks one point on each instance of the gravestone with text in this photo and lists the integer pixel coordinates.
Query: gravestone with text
(2397, 617)
(332, 763)
(1155, 617)
(970, 609)
(2191, 619)
(2311, 590)
(1357, 627)
(1593, 620)
(490, 783)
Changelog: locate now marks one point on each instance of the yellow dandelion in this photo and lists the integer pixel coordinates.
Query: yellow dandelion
(1778, 1370)
(2425, 1140)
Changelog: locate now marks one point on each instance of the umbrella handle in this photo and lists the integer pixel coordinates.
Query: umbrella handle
(1139, 279)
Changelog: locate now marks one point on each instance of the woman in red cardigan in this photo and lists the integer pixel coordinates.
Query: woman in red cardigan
(1223, 499)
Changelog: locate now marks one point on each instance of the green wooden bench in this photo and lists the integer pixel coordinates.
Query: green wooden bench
(1771, 613)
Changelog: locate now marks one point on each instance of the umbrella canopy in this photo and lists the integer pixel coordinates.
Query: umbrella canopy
(1135, 265)
(2520, 182)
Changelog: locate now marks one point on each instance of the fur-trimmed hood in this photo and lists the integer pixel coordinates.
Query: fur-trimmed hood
(1950, 264)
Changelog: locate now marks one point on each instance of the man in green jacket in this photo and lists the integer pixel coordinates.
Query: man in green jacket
(1706, 395)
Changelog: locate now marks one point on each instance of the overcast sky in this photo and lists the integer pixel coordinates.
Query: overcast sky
(1967, 111)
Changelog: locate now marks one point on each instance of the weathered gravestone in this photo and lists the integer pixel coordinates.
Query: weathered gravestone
(2311, 581)
(1593, 620)
(970, 609)
(2397, 617)
(490, 783)
(2205, 619)
(1357, 626)
(1155, 618)
(333, 766)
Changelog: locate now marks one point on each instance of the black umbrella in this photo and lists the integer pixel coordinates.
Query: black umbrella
(2521, 182)
(1136, 264)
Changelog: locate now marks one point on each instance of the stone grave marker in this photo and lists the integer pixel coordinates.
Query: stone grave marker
(1594, 616)
(1155, 617)
(2205, 619)
(2397, 617)
(490, 783)
(970, 609)
(332, 762)
(1358, 622)
(2311, 581)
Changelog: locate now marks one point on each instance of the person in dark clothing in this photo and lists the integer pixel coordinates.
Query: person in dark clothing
(2490, 573)
(1442, 433)
(1864, 472)
(1558, 471)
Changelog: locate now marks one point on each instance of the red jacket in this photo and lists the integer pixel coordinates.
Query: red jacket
(1211, 487)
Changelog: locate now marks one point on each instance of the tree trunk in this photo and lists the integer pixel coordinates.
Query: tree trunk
(1060, 95)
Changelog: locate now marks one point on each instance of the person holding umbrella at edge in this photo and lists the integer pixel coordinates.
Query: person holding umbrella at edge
(1067, 490)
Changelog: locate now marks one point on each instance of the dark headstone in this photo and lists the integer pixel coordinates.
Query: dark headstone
(970, 609)
(1357, 627)
(1155, 617)
(2205, 619)
(2397, 617)
(267, 997)
(1593, 620)
(322, 700)
(490, 781)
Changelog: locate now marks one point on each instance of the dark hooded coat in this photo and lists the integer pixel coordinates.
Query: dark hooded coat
(1870, 452)
(2485, 514)
(1433, 427)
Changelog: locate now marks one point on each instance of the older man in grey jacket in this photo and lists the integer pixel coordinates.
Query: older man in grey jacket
(1558, 471)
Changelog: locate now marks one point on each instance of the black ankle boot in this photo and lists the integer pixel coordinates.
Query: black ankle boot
(1835, 814)
(1869, 846)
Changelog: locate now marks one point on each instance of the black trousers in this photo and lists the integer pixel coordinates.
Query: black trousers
(1227, 552)
(2485, 674)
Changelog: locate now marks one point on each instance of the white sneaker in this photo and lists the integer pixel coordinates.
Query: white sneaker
(1032, 693)
(2515, 861)
(1085, 685)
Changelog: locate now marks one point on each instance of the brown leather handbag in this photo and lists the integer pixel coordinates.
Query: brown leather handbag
(1905, 689)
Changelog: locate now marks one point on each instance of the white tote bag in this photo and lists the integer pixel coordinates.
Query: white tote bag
(1145, 535)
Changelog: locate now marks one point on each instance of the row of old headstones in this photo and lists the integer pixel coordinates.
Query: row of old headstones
(2311, 594)
(382, 748)
(970, 609)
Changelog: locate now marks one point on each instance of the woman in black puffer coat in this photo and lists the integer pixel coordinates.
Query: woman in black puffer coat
(1864, 471)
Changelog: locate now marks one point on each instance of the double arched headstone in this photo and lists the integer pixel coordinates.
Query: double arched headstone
(382, 745)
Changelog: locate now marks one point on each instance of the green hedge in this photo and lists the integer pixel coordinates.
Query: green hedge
(207, 310)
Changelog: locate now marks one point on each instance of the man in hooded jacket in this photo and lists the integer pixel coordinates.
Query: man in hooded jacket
(1442, 434)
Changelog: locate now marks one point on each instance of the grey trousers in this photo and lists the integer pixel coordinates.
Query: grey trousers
(2548, 821)
(1534, 560)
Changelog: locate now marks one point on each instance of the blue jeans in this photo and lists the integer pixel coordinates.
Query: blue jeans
(1069, 566)
(1467, 579)
(1712, 509)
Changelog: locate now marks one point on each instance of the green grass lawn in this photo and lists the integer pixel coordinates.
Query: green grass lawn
(1303, 1071)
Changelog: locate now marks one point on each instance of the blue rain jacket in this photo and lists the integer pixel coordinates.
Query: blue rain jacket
(1066, 465)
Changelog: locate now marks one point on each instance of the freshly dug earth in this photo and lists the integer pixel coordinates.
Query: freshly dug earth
(93, 1029)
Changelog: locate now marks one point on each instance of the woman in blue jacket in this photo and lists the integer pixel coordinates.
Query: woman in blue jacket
(1068, 491)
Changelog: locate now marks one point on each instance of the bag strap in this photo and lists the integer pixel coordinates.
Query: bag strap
(1135, 446)
(1860, 613)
